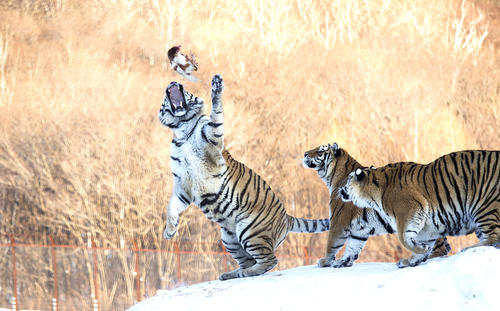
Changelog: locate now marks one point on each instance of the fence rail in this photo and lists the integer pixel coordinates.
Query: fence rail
(99, 277)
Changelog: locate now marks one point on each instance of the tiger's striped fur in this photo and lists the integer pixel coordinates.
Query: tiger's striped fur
(252, 218)
(457, 194)
(349, 225)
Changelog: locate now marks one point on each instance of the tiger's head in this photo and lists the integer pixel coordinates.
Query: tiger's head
(363, 188)
(179, 106)
(320, 157)
(332, 164)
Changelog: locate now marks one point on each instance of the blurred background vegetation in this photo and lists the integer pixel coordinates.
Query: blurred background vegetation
(82, 153)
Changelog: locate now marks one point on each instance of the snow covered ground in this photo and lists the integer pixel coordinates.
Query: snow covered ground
(465, 281)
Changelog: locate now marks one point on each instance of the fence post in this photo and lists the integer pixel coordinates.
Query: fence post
(15, 302)
(96, 283)
(177, 251)
(55, 303)
(306, 255)
(136, 270)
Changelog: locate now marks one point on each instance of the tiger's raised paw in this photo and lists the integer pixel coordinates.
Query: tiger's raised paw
(217, 84)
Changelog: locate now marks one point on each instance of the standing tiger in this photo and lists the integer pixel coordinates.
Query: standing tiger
(457, 194)
(347, 222)
(252, 218)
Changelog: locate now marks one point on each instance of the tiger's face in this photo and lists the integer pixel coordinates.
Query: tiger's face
(363, 189)
(321, 157)
(179, 105)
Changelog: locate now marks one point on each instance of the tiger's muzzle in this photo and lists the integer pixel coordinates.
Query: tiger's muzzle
(308, 162)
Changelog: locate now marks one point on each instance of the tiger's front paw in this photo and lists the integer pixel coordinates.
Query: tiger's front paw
(217, 85)
(417, 247)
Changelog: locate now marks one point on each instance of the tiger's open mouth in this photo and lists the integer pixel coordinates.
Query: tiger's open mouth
(175, 95)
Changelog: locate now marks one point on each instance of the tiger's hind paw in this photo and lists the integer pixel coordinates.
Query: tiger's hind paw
(403, 263)
(411, 262)
(229, 275)
(344, 262)
(325, 262)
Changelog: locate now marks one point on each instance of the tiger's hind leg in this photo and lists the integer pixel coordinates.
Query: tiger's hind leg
(426, 239)
(441, 248)
(416, 237)
(416, 258)
(233, 247)
(488, 224)
(408, 233)
(264, 256)
(261, 249)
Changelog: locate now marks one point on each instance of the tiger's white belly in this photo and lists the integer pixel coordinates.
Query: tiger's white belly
(195, 173)
(372, 226)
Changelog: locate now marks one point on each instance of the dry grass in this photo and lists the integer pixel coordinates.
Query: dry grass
(83, 154)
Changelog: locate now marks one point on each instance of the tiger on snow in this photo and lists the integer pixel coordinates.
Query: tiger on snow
(252, 218)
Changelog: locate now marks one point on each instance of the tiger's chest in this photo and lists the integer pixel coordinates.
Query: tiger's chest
(193, 170)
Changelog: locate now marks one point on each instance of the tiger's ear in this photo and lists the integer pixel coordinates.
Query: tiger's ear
(372, 167)
(360, 174)
(335, 148)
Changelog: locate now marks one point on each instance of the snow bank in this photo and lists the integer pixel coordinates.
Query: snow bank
(465, 281)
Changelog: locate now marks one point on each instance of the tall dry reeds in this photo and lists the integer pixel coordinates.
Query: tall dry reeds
(82, 153)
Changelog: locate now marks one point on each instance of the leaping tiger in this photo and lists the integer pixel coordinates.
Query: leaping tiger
(252, 218)
(349, 225)
(457, 194)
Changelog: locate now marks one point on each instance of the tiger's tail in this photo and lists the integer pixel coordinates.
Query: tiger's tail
(301, 225)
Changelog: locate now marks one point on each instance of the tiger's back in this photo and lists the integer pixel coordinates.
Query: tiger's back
(461, 188)
(463, 191)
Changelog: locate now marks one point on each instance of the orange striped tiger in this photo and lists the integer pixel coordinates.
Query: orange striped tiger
(252, 218)
(349, 225)
(457, 194)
